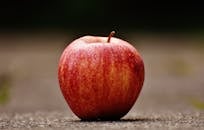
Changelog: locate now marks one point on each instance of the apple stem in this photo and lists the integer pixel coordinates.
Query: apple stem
(110, 35)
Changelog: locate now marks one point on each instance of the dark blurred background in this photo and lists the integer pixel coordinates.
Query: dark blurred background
(168, 34)
(102, 16)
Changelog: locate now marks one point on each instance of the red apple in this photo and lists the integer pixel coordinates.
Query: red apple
(100, 77)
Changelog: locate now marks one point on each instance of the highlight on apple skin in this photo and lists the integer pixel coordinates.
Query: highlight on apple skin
(100, 77)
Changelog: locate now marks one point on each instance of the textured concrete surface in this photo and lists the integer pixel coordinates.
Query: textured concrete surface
(60, 120)
(172, 96)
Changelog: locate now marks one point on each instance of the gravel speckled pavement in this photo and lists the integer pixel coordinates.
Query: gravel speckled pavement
(172, 96)
(59, 120)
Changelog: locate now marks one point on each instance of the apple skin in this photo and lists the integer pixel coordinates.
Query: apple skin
(100, 80)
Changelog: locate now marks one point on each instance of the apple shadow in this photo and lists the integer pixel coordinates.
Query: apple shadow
(125, 120)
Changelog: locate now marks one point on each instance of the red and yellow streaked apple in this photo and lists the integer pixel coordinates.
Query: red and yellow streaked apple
(100, 77)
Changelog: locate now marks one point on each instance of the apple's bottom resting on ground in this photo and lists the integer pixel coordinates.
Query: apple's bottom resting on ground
(100, 77)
